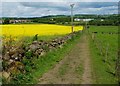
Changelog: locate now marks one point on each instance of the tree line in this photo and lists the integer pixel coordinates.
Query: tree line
(66, 20)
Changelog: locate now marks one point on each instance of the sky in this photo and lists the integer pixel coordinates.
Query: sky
(38, 8)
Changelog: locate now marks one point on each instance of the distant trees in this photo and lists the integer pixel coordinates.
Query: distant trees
(51, 20)
(66, 20)
(6, 21)
(105, 22)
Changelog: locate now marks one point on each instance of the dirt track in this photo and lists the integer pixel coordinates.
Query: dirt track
(73, 69)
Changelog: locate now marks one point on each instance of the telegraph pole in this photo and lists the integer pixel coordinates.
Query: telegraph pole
(49, 12)
(72, 27)
(86, 23)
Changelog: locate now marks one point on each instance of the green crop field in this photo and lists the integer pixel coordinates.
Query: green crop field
(104, 28)
(104, 51)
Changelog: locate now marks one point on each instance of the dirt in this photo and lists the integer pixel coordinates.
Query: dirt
(66, 71)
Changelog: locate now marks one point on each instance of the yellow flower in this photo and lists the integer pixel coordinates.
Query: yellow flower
(40, 29)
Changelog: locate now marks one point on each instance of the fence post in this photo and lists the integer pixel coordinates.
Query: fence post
(106, 52)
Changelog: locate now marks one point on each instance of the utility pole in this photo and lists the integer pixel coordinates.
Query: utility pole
(72, 27)
(86, 23)
(49, 12)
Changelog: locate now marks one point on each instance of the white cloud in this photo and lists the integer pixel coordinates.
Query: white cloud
(102, 10)
(60, 0)
(21, 9)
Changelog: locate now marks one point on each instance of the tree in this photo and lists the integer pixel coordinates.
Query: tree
(6, 21)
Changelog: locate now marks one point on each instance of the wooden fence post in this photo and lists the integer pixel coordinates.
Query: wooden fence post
(106, 52)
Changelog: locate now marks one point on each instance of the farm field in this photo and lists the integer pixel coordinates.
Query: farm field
(49, 36)
(26, 32)
(60, 42)
(40, 29)
(104, 51)
(103, 29)
(83, 57)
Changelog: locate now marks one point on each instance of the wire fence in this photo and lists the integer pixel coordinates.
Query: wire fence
(103, 49)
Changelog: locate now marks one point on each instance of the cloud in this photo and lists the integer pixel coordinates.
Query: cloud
(60, 6)
(102, 10)
(97, 4)
(30, 9)
(59, 0)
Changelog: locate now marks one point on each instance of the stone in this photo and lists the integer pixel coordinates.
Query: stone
(6, 75)
(33, 47)
(10, 61)
(42, 53)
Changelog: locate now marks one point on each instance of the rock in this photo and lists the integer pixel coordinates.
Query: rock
(0, 74)
(69, 37)
(14, 70)
(34, 47)
(6, 75)
(12, 51)
(20, 55)
(14, 56)
(60, 46)
(35, 42)
(6, 56)
(19, 65)
(21, 51)
(10, 61)
(50, 47)
(39, 52)
(42, 53)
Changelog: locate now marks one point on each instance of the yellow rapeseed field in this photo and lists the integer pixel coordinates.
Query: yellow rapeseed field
(40, 29)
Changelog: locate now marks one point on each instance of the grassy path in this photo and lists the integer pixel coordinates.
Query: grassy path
(86, 78)
(73, 69)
